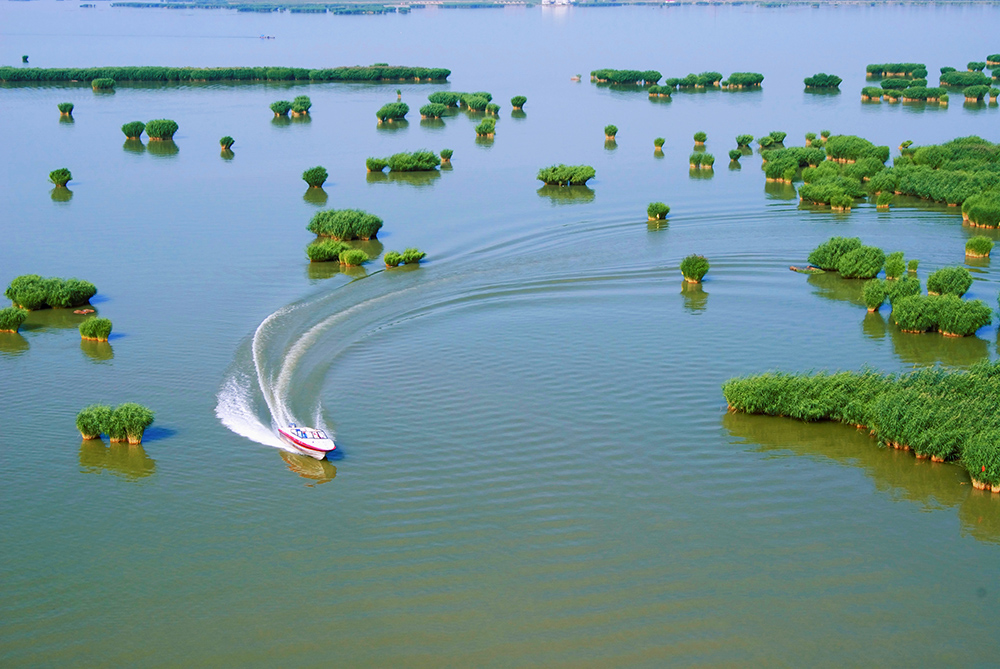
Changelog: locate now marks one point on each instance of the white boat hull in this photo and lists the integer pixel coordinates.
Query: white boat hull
(308, 441)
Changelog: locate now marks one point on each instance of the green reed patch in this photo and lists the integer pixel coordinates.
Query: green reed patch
(31, 291)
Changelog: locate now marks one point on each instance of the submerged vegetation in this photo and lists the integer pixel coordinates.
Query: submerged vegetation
(11, 318)
(31, 291)
(315, 176)
(95, 329)
(566, 175)
(152, 73)
(943, 415)
(127, 422)
(345, 224)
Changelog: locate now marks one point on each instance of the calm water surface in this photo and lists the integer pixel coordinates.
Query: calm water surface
(538, 467)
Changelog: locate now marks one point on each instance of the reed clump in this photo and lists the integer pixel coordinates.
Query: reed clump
(433, 110)
(345, 224)
(874, 293)
(823, 80)
(65, 108)
(11, 318)
(325, 250)
(979, 247)
(133, 129)
(700, 138)
(226, 142)
(162, 129)
(380, 72)
(301, 105)
(517, 102)
(657, 211)
(353, 257)
(894, 265)
(949, 281)
(315, 176)
(31, 292)
(694, 268)
(486, 128)
(610, 131)
(103, 84)
(60, 177)
(126, 422)
(95, 329)
(281, 107)
(566, 175)
(393, 111)
(943, 415)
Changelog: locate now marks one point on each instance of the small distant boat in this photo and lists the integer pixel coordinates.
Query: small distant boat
(308, 440)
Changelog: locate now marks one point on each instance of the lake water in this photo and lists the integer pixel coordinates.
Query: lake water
(538, 467)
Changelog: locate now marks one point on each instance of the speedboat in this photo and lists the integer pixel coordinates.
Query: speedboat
(308, 440)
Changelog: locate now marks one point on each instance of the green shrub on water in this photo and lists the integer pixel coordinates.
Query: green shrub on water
(828, 254)
(884, 199)
(433, 110)
(949, 281)
(659, 142)
(700, 137)
(128, 422)
(707, 161)
(133, 129)
(874, 293)
(894, 265)
(446, 98)
(778, 136)
(735, 154)
(657, 211)
(486, 128)
(517, 102)
(392, 111)
(376, 164)
(823, 80)
(743, 140)
(325, 250)
(281, 107)
(492, 108)
(446, 155)
(872, 93)
(979, 247)
(31, 291)
(566, 175)
(226, 142)
(93, 421)
(947, 415)
(861, 263)
(745, 79)
(353, 257)
(11, 318)
(60, 177)
(301, 104)
(694, 268)
(345, 224)
(905, 287)
(475, 102)
(695, 159)
(964, 79)
(416, 161)
(97, 329)
(102, 84)
(915, 313)
(65, 108)
(982, 209)
(610, 131)
(413, 256)
(161, 129)
(975, 92)
(315, 176)
(961, 318)
(392, 259)
(912, 265)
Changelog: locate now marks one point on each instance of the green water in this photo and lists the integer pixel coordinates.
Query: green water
(538, 467)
